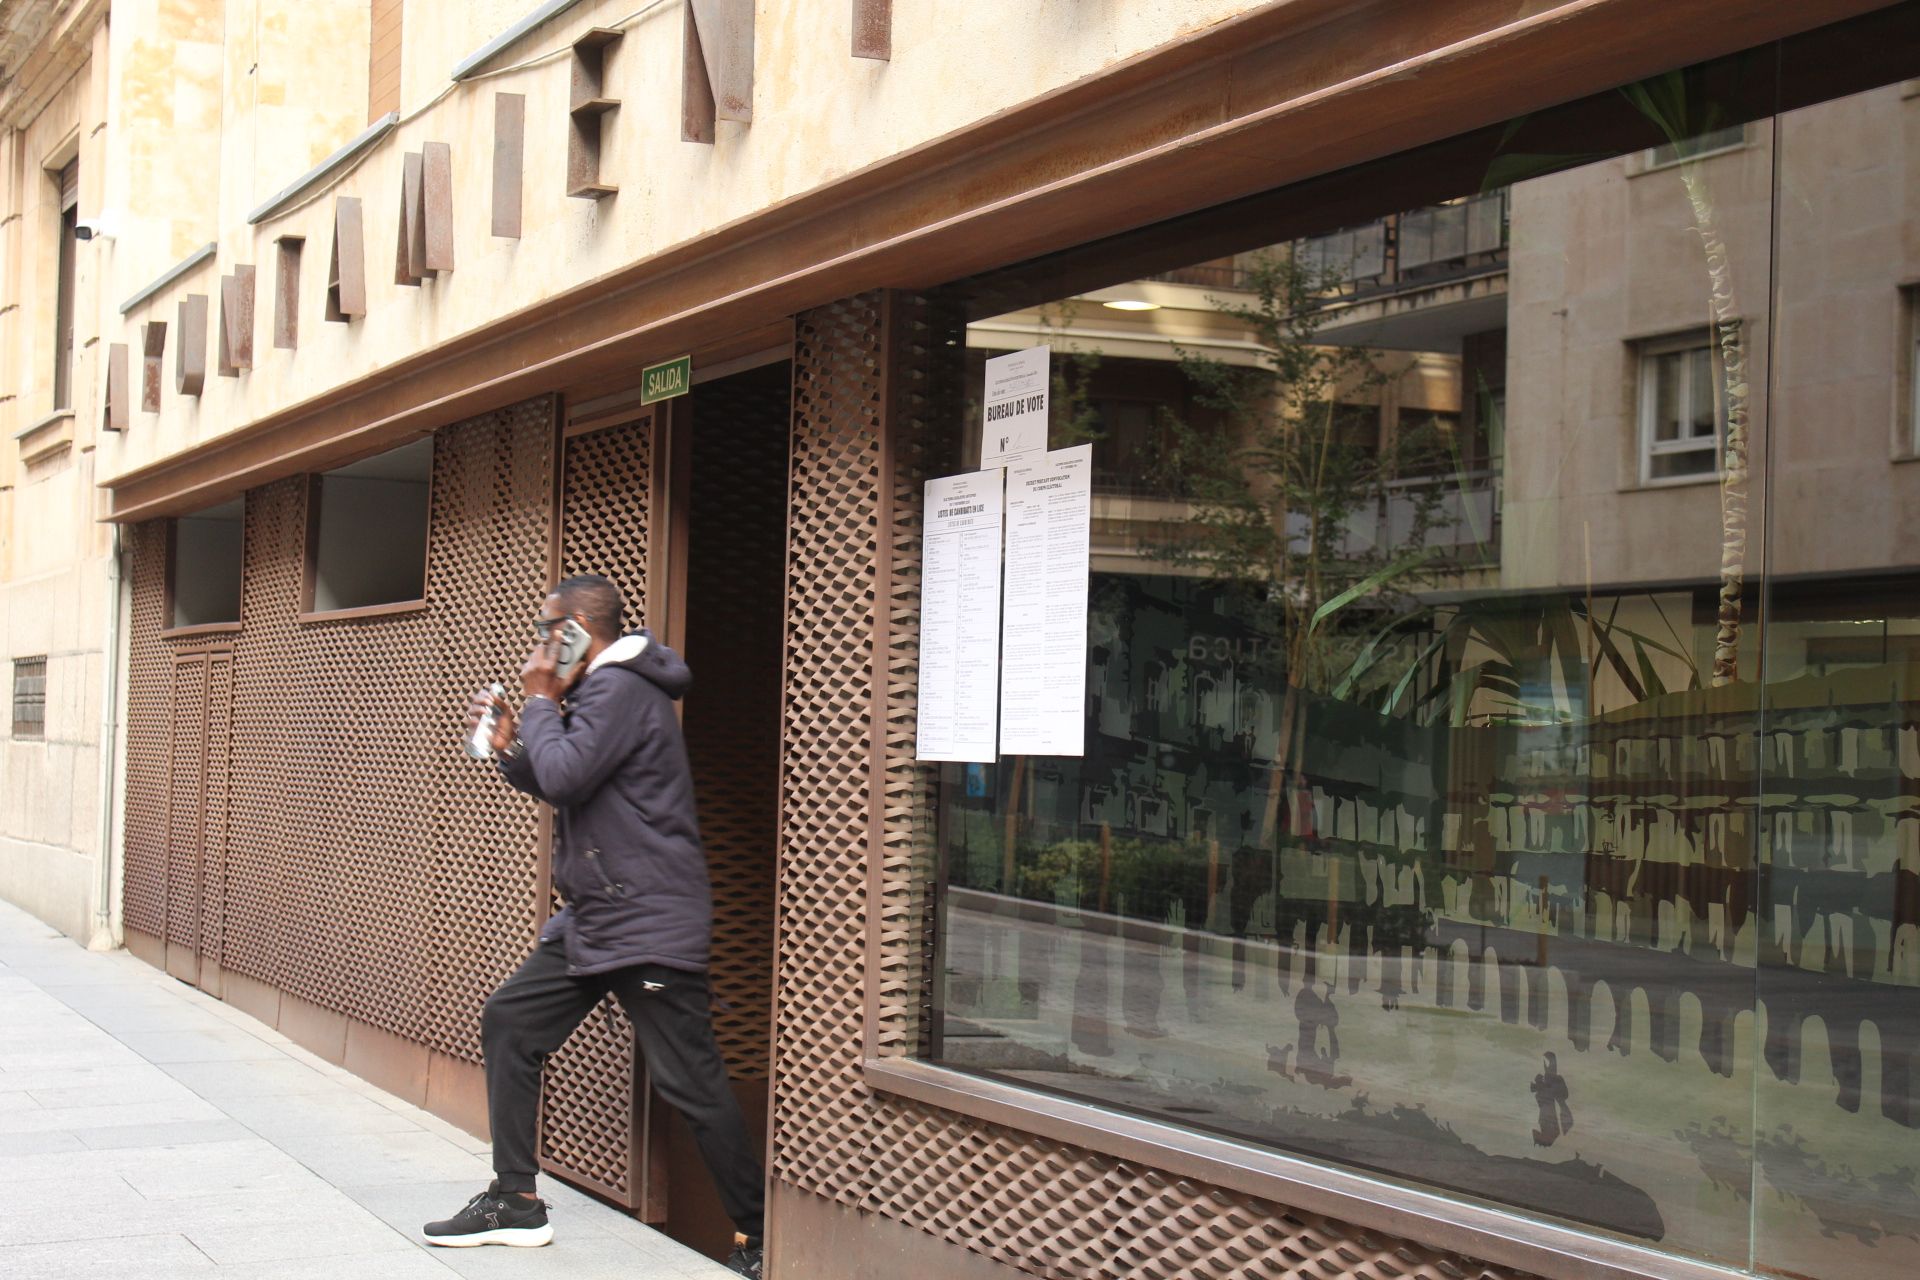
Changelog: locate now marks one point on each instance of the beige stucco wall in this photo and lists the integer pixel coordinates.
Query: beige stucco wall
(819, 113)
(53, 587)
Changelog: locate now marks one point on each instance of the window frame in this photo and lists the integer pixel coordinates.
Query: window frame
(168, 593)
(1906, 444)
(38, 733)
(310, 560)
(1646, 399)
(1650, 161)
(66, 187)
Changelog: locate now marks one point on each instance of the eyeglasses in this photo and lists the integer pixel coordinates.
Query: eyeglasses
(543, 627)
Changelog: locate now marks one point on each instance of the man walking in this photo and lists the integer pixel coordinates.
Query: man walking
(598, 740)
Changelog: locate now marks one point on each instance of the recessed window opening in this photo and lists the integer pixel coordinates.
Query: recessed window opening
(29, 697)
(204, 569)
(68, 181)
(368, 531)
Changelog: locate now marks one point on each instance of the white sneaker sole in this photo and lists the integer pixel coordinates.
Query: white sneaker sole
(513, 1237)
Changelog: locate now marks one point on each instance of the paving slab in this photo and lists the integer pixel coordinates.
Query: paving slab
(148, 1131)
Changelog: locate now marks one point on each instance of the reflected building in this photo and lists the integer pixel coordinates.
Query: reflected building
(1625, 775)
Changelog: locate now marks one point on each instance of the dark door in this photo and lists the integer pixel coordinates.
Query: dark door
(198, 757)
(615, 516)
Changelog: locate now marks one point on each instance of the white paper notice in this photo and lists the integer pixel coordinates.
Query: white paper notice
(960, 618)
(1043, 652)
(1015, 425)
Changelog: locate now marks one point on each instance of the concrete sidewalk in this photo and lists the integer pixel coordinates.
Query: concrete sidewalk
(149, 1131)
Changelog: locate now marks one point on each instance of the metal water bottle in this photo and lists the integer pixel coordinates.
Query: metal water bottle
(480, 742)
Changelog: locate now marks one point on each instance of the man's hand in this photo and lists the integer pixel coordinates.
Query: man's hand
(540, 678)
(503, 728)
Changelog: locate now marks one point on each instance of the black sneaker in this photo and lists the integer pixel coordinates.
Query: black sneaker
(746, 1257)
(494, 1218)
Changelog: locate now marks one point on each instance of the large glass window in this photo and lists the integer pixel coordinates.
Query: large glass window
(1460, 803)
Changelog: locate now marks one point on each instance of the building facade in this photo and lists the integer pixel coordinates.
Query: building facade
(1496, 845)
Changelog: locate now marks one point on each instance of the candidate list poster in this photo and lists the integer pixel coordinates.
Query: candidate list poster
(1043, 651)
(960, 618)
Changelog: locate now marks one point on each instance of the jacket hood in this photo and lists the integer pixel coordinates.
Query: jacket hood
(646, 657)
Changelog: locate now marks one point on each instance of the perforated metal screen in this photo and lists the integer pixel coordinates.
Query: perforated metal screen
(328, 838)
(587, 1131)
(1046, 1208)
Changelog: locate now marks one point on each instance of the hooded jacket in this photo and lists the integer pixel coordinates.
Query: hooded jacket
(627, 859)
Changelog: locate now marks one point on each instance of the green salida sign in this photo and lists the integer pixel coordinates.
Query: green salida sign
(665, 381)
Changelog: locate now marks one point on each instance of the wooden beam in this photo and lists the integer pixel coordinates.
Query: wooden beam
(723, 32)
(436, 205)
(236, 321)
(1277, 96)
(190, 352)
(119, 407)
(153, 347)
(286, 292)
(509, 151)
(347, 267)
(873, 29)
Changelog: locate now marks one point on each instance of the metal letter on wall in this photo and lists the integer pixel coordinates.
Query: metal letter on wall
(873, 29)
(509, 149)
(196, 823)
(119, 407)
(190, 351)
(236, 321)
(153, 349)
(436, 205)
(716, 66)
(347, 263)
(410, 250)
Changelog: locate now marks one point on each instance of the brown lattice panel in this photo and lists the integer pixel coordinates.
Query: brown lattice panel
(149, 686)
(1043, 1207)
(492, 485)
(323, 833)
(586, 1129)
(186, 796)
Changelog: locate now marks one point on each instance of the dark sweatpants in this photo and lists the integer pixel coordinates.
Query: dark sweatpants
(534, 1012)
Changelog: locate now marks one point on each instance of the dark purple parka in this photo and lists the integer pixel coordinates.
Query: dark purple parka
(627, 859)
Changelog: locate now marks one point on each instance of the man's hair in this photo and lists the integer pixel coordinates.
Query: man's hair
(598, 599)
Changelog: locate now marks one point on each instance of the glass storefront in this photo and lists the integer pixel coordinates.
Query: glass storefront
(1502, 762)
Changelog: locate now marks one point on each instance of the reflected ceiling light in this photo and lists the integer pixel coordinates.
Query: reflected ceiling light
(1131, 304)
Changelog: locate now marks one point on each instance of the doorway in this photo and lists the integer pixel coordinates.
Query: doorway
(684, 505)
(735, 448)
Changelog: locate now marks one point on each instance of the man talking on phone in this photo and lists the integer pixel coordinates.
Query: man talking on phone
(597, 738)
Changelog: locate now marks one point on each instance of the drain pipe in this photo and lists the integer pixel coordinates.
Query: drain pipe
(103, 939)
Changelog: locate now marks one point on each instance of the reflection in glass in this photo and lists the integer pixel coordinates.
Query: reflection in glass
(1438, 815)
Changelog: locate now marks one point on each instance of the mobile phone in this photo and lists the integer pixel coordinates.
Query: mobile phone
(570, 646)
